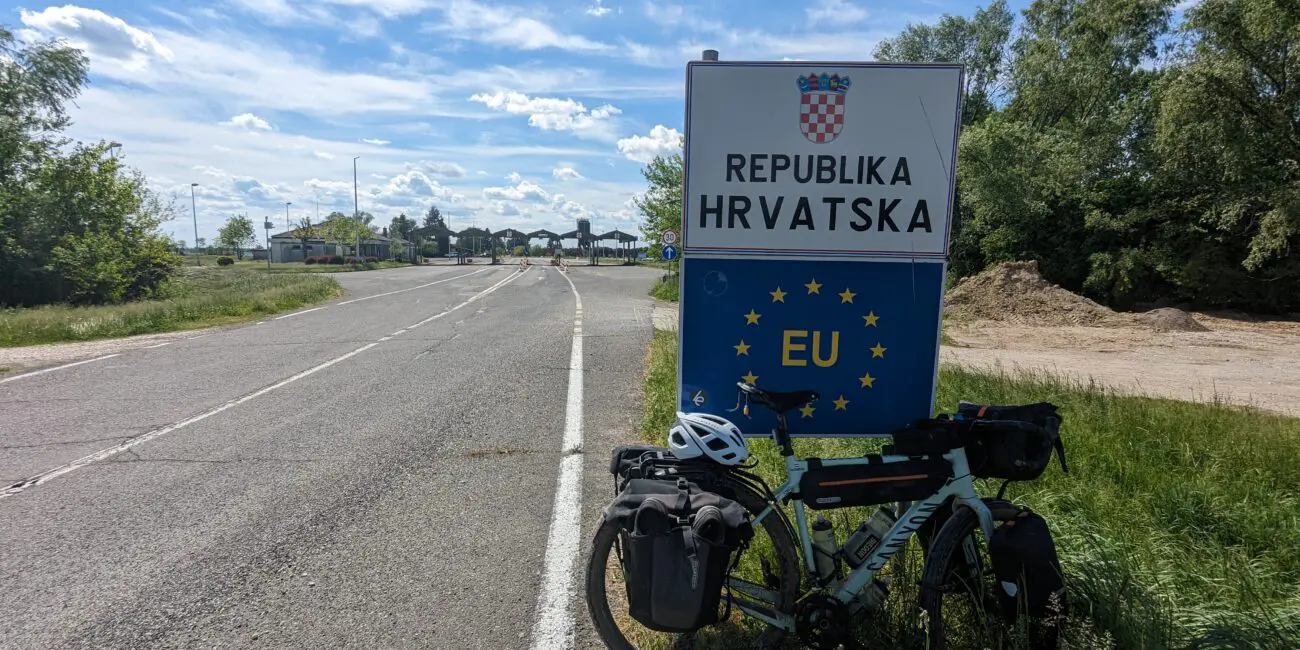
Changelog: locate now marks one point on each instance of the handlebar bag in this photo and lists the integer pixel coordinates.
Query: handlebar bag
(679, 542)
(1012, 442)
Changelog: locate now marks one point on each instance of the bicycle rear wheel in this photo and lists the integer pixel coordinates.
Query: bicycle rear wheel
(772, 546)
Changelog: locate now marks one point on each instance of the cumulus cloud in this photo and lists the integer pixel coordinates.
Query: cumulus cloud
(102, 36)
(598, 9)
(523, 190)
(376, 141)
(416, 184)
(552, 114)
(445, 169)
(505, 208)
(248, 121)
(514, 177)
(323, 155)
(565, 173)
(662, 141)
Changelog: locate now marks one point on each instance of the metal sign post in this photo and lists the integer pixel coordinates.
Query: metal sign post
(815, 228)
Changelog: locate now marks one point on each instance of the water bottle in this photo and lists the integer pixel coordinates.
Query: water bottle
(864, 541)
(873, 595)
(824, 548)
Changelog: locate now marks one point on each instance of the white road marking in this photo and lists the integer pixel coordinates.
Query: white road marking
(507, 280)
(554, 625)
(150, 435)
(297, 313)
(66, 365)
(150, 347)
(381, 295)
(146, 437)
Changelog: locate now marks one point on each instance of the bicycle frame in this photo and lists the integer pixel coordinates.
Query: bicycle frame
(961, 487)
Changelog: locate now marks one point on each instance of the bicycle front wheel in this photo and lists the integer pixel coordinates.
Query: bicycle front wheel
(770, 556)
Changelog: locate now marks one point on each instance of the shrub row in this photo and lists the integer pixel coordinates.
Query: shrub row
(338, 259)
(225, 260)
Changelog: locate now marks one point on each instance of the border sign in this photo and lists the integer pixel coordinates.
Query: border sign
(816, 217)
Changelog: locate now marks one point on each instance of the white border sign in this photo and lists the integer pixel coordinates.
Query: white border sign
(820, 159)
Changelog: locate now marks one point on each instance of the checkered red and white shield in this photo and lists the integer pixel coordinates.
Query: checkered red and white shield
(821, 115)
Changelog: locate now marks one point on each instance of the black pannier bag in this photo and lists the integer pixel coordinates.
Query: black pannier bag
(631, 461)
(1012, 442)
(1030, 582)
(824, 487)
(679, 544)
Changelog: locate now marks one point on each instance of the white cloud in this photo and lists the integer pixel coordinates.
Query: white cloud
(565, 173)
(552, 114)
(102, 36)
(514, 177)
(507, 26)
(522, 191)
(505, 208)
(598, 9)
(248, 121)
(835, 12)
(323, 155)
(662, 141)
(376, 141)
(445, 169)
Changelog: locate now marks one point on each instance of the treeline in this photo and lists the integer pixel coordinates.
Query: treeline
(75, 225)
(1139, 161)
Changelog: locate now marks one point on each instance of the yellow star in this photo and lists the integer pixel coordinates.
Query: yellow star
(751, 318)
(750, 378)
(813, 287)
(743, 348)
(871, 319)
(840, 403)
(878, 351)
(867, 381)
(847, 296)
(807, 411)
(778, 295)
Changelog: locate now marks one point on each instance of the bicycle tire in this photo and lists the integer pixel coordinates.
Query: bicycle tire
(947, 542)
(778, 530)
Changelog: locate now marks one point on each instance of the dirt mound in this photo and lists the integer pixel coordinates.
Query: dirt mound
(1169, 319)
(1016, 292)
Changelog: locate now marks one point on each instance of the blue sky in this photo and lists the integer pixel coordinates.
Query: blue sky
(524, 115)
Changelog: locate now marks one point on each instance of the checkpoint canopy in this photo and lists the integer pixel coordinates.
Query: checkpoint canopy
(817, 204)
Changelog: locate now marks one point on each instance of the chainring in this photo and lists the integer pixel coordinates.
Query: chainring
(823, 622)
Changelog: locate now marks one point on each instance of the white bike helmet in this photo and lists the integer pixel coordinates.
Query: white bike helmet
(703, 434)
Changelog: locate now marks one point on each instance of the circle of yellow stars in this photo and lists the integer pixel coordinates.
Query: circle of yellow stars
(814, 288)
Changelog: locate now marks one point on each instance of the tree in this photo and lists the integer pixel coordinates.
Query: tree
(1230, 140)
(662, 202)
(396, 248)
(237, 234)
(433, 217)
(979, 43)
(401, 227)
(343, 230)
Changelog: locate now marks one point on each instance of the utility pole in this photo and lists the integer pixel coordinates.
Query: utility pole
(356, 207)
(195, 211)
(287, 225)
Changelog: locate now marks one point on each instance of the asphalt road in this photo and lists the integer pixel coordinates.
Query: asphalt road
(376, 473)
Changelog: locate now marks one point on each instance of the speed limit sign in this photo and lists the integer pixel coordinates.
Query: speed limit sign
(669, 237)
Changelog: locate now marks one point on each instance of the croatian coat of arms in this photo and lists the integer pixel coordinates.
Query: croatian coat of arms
(821, 106)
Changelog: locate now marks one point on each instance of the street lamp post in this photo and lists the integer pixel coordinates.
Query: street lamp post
(266, 224)
(287, 225)
(356, 206)
(195, 212)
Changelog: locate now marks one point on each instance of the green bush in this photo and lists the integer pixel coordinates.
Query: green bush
(225, 260)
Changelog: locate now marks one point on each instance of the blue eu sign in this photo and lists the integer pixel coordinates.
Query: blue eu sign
(817, 204)
(862, 334)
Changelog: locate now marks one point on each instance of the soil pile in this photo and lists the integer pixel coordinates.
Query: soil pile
(1016, 292)
(1169, 319)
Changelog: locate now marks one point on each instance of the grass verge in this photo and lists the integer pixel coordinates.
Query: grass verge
(667, 288)
(1178, 525)
(336, 268)
(196, 297)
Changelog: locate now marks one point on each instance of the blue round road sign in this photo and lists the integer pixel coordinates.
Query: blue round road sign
(670, 252)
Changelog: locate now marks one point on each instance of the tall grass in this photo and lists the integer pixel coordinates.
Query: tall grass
(1178, 525)
(666, 288)
(196, 297)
